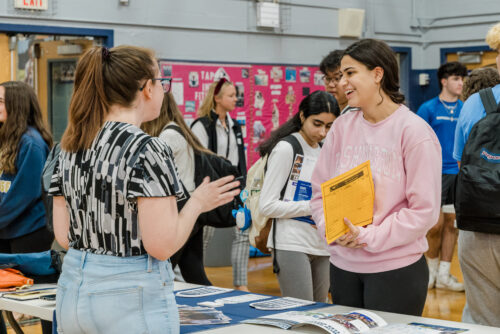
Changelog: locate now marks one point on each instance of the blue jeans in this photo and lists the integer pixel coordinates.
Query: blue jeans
(110, 294)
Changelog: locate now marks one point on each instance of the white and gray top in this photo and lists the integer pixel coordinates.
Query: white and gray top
(101, 186)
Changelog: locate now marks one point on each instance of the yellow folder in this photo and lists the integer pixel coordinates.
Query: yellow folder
(350, 195)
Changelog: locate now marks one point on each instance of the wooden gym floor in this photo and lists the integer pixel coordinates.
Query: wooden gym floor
(440, 304)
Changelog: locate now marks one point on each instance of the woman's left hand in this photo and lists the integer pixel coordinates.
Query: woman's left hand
(349, 239)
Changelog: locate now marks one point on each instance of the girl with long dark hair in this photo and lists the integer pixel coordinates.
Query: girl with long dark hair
(381, 266)
(301, 259)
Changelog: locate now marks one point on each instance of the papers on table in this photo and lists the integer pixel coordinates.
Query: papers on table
(196, 316)
(30, 294)
(202, 292)
(349, 195)
(241, 299)
(280, 304)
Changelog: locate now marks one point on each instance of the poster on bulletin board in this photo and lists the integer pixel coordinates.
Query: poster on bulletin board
(268, 95)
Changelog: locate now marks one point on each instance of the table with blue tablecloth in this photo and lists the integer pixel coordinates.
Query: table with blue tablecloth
(237, 312)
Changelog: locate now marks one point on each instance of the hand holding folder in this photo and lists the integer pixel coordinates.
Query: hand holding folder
(350, 195)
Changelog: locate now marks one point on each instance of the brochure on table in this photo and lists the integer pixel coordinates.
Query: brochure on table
(358, 321)
(235, 306)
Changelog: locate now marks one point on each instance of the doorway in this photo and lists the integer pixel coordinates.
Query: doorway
(61, 76)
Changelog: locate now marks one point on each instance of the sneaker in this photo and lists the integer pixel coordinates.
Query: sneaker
(432, 279)
(449, 282)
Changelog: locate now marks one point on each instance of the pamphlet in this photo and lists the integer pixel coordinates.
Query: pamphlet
(299, 186)
(281, 304)
(31, 294)
(350, 195)
(197, 315)
(202, 292)
(248, 297)
(358, 321)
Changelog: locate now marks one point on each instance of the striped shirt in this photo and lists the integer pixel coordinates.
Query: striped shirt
(101, 186)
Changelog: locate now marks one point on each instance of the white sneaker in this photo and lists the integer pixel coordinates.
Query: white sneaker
(449, 282)
(432, 279)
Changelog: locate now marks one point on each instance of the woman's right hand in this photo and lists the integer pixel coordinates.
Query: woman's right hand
(209, 195)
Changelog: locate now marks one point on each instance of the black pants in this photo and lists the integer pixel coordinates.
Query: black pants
(38, 241)
(401, 290)
(190, 259)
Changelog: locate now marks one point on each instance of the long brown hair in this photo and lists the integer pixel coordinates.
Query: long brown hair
(170, 113)
(23, 110)
(104, 77)
(208, 103)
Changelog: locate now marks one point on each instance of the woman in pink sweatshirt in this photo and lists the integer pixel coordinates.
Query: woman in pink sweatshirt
(381, 266)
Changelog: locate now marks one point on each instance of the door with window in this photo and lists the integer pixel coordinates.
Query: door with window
(60, 86)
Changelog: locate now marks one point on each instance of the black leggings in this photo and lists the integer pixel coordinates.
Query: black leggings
(402, 290)
(34, 242)
(190, 259)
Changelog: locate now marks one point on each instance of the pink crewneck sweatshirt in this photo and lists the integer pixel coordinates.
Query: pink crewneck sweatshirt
(405, 159)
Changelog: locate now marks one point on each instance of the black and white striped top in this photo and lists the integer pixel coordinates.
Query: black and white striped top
(101, 186)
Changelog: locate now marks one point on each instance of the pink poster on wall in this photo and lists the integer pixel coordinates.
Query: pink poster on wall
(190, 82)
(268, 95)
(278, 91)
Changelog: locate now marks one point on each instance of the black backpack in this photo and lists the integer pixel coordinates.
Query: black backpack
(477, 189)
(214, 166)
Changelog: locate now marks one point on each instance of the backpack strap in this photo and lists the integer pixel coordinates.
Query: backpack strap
(242, 161)
(209, 125)
(297, 149)
(488, 99)
(175, 128)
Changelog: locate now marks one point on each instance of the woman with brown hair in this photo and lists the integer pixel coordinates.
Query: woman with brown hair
(115, 194)
(24, 145)
(222, 135)
(375, 266)
(171, 128)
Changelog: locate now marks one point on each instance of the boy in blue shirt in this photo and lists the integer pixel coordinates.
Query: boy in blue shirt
(442, 114)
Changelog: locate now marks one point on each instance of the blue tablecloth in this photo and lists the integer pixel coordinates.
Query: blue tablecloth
(237, 312)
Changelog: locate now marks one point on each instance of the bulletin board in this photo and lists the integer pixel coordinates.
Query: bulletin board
(268, 95)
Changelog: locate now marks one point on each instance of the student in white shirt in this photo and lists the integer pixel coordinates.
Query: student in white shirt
(299, 251)
(224, 137)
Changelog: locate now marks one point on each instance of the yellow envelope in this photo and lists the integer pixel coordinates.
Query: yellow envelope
(350, 195)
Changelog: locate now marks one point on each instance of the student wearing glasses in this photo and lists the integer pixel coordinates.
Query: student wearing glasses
(330, 67)
(115, 194)
(222, 135)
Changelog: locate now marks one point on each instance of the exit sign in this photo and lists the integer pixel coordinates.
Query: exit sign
(32, 4)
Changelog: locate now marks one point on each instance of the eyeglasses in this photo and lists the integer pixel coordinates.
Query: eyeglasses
(166, 83)
(336, 79)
